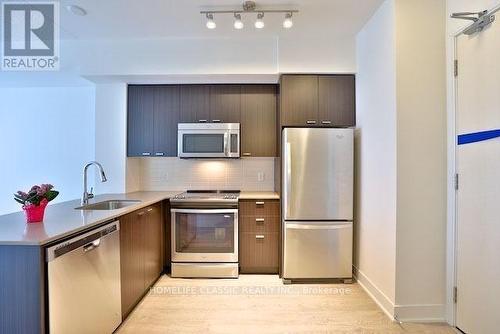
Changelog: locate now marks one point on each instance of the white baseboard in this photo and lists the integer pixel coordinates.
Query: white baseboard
(420, 313)
(375, 293)
(403, 313)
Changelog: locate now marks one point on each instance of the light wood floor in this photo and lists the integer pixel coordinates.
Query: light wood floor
(261, 304)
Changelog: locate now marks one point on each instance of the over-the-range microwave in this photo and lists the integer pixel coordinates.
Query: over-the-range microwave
(208, 140)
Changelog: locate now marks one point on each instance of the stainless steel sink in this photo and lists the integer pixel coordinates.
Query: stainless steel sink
(108, 205)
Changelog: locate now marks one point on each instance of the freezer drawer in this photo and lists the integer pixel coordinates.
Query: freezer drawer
(317, 250)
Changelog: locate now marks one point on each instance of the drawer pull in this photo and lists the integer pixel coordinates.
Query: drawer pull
(259, 203)
(259, 220)
(247, 154)
(259, 236)
(326, 122)
(150, 209)
(310, 121)
(159, 154)
(146, 154)
(140, 213)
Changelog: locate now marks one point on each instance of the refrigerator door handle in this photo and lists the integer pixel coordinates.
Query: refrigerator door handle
(317, 226)
(288, 190)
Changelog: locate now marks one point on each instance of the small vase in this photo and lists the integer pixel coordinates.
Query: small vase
(35, 213)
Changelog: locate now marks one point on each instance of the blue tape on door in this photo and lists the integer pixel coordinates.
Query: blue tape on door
(475, 137)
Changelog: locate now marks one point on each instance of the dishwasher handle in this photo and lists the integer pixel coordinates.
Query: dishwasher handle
(87, 241)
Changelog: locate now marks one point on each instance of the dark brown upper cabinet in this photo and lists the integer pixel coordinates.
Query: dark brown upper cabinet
(225, 103)
(195, 103)
(336, 100)
(140, 139)
(165, 120)
(258, 120)
(317, 100)
(299, 100)
(153, 114)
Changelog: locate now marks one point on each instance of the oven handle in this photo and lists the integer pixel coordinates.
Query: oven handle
(204, 211)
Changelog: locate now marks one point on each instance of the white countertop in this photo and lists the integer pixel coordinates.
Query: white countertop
(259, 195)
(62, 219)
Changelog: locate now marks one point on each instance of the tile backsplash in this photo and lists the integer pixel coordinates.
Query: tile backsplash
(247, 174)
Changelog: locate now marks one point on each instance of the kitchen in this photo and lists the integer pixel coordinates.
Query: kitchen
(259, 162)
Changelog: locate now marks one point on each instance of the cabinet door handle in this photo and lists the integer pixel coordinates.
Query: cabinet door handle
(202, 120)
(159, 154)
(259, 236)
(149, 210)
(146, 154)
(259, 220)
(259, 203)
(216, 120)
(326, 122)
(311, 121)
(140, 213)
(247, 154)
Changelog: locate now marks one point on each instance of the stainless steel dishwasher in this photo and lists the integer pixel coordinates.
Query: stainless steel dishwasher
(84, 282)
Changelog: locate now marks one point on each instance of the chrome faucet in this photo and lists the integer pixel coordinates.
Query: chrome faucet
(88, 195)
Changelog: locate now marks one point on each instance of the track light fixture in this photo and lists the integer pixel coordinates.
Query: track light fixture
(249, 7)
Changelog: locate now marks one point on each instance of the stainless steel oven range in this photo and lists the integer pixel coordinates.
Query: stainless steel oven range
(205, 234)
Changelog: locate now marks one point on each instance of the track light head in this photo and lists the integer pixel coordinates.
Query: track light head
(210, 21)
(259, 24)
(238, 24)
(288, 23)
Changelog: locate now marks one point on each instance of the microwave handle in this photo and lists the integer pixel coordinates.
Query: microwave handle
(226, 144)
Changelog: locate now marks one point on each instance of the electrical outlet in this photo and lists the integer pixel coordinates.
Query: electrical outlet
(260, 176)
(165, 177)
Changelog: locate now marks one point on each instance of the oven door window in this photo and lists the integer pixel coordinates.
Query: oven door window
(204, 233)
(203, 143)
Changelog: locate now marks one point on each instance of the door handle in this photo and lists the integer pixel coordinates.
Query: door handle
(159, 154)
(146, 154)
(259, 220)
(288, 177)
(216, 120)
(247, 154)
(226, 144)
(326, 122)
(259, 236)
(202, 120)
(91, 246)
(311, 121)
(149, 210)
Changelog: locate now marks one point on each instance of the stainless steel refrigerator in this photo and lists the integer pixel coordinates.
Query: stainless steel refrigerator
(317, 204)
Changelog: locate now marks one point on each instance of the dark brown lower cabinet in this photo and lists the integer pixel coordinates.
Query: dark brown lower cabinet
(141, 253)
(259, 252)
(259, 226)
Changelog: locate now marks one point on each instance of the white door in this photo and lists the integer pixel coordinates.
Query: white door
(478, 196)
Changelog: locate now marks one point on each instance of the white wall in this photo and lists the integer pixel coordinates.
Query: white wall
(376, 156)
(111, 135)
(421, 159)
(47, 135)
(210, 55)
(401, 185)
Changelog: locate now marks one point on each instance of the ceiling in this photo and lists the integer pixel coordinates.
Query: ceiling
(145, 19)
